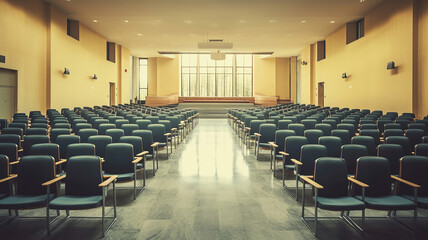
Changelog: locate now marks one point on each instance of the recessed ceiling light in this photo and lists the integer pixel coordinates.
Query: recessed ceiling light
(362, 0)
(332, 21)
(303, 21)
(188, 21)
(139, 34)
(272, 21)
(241, 21)
(68, 0)
(95, 20)
(126, 21)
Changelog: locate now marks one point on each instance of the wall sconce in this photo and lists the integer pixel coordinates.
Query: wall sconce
(95, 77)
(304, 63)
(390, 65)
(66, 71)
(344, 75)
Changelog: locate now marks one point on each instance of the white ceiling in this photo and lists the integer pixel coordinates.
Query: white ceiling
(251, 25)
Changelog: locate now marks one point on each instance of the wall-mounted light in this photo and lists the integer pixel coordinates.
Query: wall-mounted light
(66, 71)
(95, 77)
(344, 75)
(390, 65)
(304, 63)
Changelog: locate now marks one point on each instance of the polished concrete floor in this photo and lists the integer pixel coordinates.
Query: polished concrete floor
(211, 187)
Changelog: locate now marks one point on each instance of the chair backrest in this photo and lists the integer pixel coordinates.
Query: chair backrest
(298, 128)
(292, 146)
(13, 130)
(332, 144)
(37, 131)
(392, 126)
(308, 154)
(393, 132)
(51, 149)
(403, 122)
(372, 133)
(97, 122)
(102, 128)
(142, 124)
(415, 136)
(136, 141)
(309, 123)
(267, 132)
(115, 134)
(38, 125)
(147, 138)
(5, 187)
(32, 172)
(331, 173)
(83, 176)
(86, 133)
(61, 125)
(351, 153)
(63, 141)
(347, 126)
(174, 120)
(118, 158)
(128, 128)
(21, 125)
(375, 172)
(283, 123)
(79, 126)
(325, 128)
(167, 125)
(112, 119)
(392, 152)
(100, 142)
(413, 169)
(313, 135)
(80, 149)
(120, 122)
(367, 141)
(10, 150)
(401, 140)
(331, 122)
(31, 140)
(421, 126)
(280, 136)
(158, 132)
(55, 132)
(153, 119)
(421, 149)
(255, 126)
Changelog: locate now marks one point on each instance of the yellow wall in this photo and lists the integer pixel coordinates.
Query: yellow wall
(33, 37)
(423, 59)
(152, 77)
(168, 76)
(388, 37)
(264, 76)
(293, 80)
(23, 33)
(282, 78)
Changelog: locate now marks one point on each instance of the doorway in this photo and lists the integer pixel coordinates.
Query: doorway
(112, 94)
(8, 93)
(321, 94)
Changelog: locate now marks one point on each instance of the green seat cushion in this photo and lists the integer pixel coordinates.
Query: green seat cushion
(278, 157)
(68, 202)
(340, 204)
(2, 195)
(422, 201)
(289, 167)
(390, 202)
(149, 156)
(24, 201)
(266, 145)
(140, 165)
(162, 145)
(123, 177)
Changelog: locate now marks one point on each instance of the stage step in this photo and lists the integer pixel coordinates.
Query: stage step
(214, 110)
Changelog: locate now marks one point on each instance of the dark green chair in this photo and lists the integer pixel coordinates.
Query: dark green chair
(77, 121)
(50, 149)
(374, 133)
(79, 126)
(168, 131)
(61, 125)
(392, 152)
(331, 122)
(283, 123)
(20, 125)
(102, 128)
(313, 135)
(11, 151)
(421, 149)
(375, 172)
(367, 126)
(347, 126)
(325, 128)
(277, 147)
(63, 141)
(85, 188)
(80, 149)
(5, 187)
(351, 153)
(309, 123)
(391, 126)
(120, 161)
(330, 184)
(112, 119)
(100, 142)
(298, 128)
(415, 136)
(97, 122)
(149, 146)
(425, 139)
(401, 140)
(120, 122)
(292, 148)
(367, 141)
(11, 138)
(14, 131)
(413, 169)
(86, 133)
(265, 135)
(392, 132)
(31, 140)
(115, 134)
(55, 132)
(128, 128)
(137, 143)
(175, 127)
(143, 123)
(37, 131)
(381, 123)
(420, 126)
(38, 125)
(160, 136)
(32, 187)
(153, 119)
(343, 134)
(332, 144)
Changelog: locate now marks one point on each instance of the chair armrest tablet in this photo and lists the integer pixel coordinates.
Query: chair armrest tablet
(108, 181)
(359, 183)
(12, 176)
(296, 162)
(405, 181)
(137, 160)
(53, 180)
(312, 182)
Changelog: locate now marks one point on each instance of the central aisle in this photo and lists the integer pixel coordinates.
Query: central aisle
(212, 188)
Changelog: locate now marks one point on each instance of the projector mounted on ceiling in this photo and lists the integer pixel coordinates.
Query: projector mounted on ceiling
(218, 56)
(215, 44)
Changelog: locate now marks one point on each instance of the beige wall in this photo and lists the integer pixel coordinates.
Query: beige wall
(388, 37)
(423, 59)
(152, 77)
(23, 34)
(168, 76)
(282, 78)
(264, 76)
(33, 37)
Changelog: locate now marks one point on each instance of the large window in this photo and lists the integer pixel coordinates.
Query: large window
(142, 89)
(203, 77)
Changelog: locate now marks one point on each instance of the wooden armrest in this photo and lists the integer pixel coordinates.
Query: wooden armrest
(102, 160)
(247, 128)
(361, 184)
(154, 144)
(12, 176)
(312, 182)
(167, 134)
(284, 153)
(53, 180)
(108, 181)
(60, 162)
(174, 129)
(142, 153)
(272, 144)
(257, 134)
(20, 150)
(137, 160)
(405, 181)
(296, 162)
(13, 163)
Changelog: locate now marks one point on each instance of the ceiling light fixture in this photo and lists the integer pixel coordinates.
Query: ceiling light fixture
(241, 21)
(126, 21)
(218, 56)
(272, 21)
(187, 21)
(332, 21)
(95, 21)
(215, 44)
(139, 34)
(303, 21)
